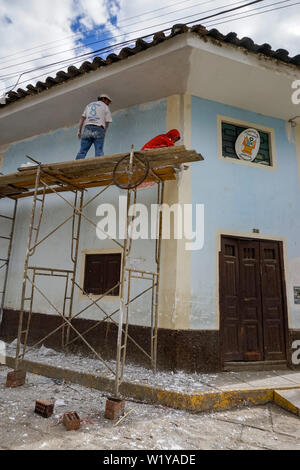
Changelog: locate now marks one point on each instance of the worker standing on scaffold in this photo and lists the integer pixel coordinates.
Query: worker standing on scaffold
(96, 118)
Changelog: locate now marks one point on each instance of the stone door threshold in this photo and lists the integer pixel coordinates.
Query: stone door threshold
(255, 365)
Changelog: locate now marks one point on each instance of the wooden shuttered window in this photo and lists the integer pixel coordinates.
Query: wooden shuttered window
(102, 272)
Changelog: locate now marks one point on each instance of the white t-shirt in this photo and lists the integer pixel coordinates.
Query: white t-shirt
(97, 113)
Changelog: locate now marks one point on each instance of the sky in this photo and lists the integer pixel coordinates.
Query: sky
(50, 35)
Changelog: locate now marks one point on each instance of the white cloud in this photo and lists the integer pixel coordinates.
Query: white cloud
(26, 25)
(94, 12)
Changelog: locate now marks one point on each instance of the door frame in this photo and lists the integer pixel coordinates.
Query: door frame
(256, 237)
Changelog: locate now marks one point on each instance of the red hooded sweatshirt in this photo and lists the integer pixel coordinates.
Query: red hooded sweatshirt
(162, 140)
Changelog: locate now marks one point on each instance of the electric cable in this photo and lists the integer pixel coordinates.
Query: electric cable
(100, 50)
(107, 39)
(94, 30)
(254, 14)
(94, 53)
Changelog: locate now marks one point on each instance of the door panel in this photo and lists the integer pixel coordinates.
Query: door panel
(273, 324)
(229, 299)
(251, 300)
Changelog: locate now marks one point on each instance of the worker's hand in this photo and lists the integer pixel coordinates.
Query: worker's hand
(79, 134)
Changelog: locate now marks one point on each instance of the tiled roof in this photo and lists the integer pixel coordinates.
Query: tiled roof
(213, 35)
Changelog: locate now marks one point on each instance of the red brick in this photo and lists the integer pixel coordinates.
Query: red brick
(16, 378)
(44, 408)
(71, 420)
(115, 408)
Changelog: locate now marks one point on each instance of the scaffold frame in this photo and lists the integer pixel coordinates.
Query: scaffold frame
(67, 314)
(5, 258)
(45, 179)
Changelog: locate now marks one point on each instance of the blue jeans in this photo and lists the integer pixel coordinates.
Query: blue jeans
(91, 135)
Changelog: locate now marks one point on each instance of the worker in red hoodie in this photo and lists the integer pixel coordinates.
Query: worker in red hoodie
(163, 140)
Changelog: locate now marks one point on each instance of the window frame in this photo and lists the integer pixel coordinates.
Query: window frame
(236, 122)
(84, 254)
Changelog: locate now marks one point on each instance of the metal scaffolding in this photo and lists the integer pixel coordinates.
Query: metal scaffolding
(126, 171)
(6, 252)
(128, 275)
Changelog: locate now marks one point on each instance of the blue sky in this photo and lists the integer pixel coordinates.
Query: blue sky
(37, 33)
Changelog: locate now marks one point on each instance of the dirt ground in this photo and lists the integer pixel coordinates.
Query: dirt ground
(145, 427)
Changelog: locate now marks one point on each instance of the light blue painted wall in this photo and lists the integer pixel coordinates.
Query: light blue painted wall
(240, 198)
(135, 125)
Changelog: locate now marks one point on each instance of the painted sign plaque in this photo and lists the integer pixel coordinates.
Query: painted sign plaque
(247, 145)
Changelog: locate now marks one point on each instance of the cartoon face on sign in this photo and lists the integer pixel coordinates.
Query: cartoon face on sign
(247, 145)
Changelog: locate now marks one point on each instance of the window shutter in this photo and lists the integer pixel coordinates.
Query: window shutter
(102, 272)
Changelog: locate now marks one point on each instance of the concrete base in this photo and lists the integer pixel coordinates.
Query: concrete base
(115, 407)
(246, 388)
(288, 399)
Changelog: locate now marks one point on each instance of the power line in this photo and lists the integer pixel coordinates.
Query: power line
(87, 54)
(50, 71)
(253, 9)
(71, 61)
(169, 6)
(109, 38)
(115, 46)
(254, 14)
(94, 30)
(94, 53)
(14, 74)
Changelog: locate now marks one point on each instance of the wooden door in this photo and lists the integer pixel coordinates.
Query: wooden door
(251, 303)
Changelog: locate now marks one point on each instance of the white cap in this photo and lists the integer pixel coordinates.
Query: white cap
(104, 95)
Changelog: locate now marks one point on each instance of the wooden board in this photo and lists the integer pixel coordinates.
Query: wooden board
(93, 172)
